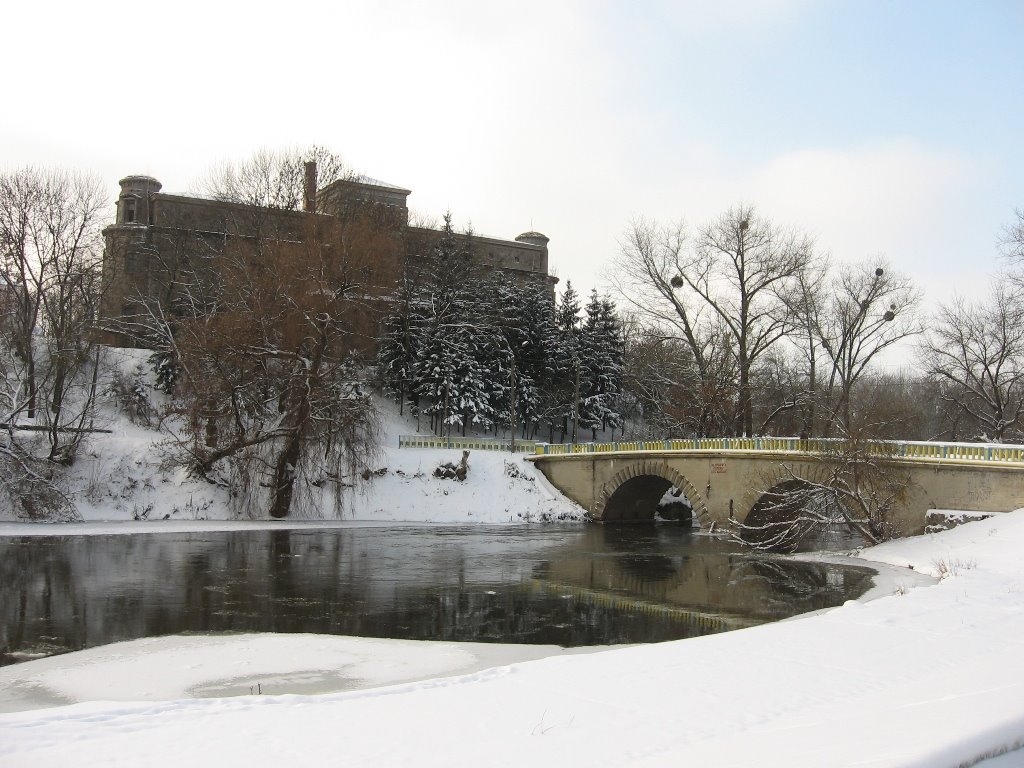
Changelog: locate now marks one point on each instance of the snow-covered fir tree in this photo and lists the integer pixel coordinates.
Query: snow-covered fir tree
(447, 373)
(564, 395)
(601, 367)
(495, 354)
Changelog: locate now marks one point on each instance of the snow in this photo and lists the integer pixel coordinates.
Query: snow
(203, 666)
(926, 676)
(123, 475)
(929, 672)
(131, 484)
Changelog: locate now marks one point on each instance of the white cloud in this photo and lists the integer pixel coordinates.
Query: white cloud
(534, 115)
(898, 198)
(915, 204)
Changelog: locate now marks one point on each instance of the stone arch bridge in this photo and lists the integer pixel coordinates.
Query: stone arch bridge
(723, 478)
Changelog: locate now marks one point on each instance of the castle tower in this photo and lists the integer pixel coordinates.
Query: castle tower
(133, 204)
(538, 239)
(127, 250)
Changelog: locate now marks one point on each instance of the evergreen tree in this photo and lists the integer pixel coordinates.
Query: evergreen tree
(399, 347)
(447, 371)
(469, 351)
(525, 322)
(564, 395)
(593, 364)
(601, 366)
(615, 351)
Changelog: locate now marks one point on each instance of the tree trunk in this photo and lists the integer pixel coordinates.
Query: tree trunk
(284, 476)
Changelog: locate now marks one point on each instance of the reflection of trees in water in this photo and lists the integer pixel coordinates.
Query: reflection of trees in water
(723, 577)
(87, 591)
(799, 586)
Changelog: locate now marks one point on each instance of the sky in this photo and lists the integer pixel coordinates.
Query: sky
(882, 129)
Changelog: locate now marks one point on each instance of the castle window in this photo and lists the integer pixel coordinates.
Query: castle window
(129, 211)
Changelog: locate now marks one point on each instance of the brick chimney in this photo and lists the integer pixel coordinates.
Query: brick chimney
(309, 188)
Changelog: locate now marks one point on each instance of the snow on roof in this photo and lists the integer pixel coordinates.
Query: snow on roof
(370, 181)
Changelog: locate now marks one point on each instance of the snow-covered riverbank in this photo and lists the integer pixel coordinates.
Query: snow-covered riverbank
(124, 474)
(928, 676)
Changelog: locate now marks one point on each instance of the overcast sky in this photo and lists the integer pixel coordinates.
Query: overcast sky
(879, 127)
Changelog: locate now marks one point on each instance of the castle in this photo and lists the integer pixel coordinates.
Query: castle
(156, 236)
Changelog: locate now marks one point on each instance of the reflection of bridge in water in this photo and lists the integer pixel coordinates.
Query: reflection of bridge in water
(701, 620)
(707, 582)
(723, 478)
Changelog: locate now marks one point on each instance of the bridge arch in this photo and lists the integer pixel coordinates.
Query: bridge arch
(795, 515)
(632, 494)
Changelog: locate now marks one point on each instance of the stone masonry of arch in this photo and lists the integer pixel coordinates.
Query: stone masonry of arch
(655, 468)
(725, 484)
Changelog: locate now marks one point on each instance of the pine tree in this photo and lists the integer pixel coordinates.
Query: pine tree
(615, 351)
(399, 348)
(447, 371)
(565, 391)
(525, 322)
(593, 363)
(601, 369)
(487, 352)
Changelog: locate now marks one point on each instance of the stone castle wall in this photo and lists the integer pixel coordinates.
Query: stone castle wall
(155, 235)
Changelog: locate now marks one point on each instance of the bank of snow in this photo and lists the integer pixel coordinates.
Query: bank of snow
(124, 474)
(930, 676)
(122, 480)
(208, 666)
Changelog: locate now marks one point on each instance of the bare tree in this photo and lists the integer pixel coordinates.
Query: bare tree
(728, 289)
(272, 179)
(1012, 239)
(783, 386)
(725, 319)
(743, 266)
(850, 484)
(870, 308)
(271, 332)
(49, 285)
(49, 270)
(976, 352)
(646, 274)
(804, 301)
(671, 398)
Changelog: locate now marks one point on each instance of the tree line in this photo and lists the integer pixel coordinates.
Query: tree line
(50, 280)
(270, 345)
(482, 349)
(744, 327)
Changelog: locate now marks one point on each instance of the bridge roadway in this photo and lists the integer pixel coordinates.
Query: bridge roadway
(725, 477)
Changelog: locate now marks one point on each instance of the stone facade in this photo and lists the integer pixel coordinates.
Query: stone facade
(155, 235)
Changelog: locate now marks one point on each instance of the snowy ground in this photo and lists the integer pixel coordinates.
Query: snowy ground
(123, 475)
(928, 676)
(924, 676)
(211, 666)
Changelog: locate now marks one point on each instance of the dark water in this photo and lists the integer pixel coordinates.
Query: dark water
(571, 585)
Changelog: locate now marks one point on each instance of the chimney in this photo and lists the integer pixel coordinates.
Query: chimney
(309, 188)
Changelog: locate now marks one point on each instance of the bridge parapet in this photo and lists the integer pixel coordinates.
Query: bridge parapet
(1001, 453)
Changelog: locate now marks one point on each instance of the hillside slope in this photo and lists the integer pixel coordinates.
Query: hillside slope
(125, 475)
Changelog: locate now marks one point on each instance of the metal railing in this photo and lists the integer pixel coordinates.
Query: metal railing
(818, 446)
(466, 443)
